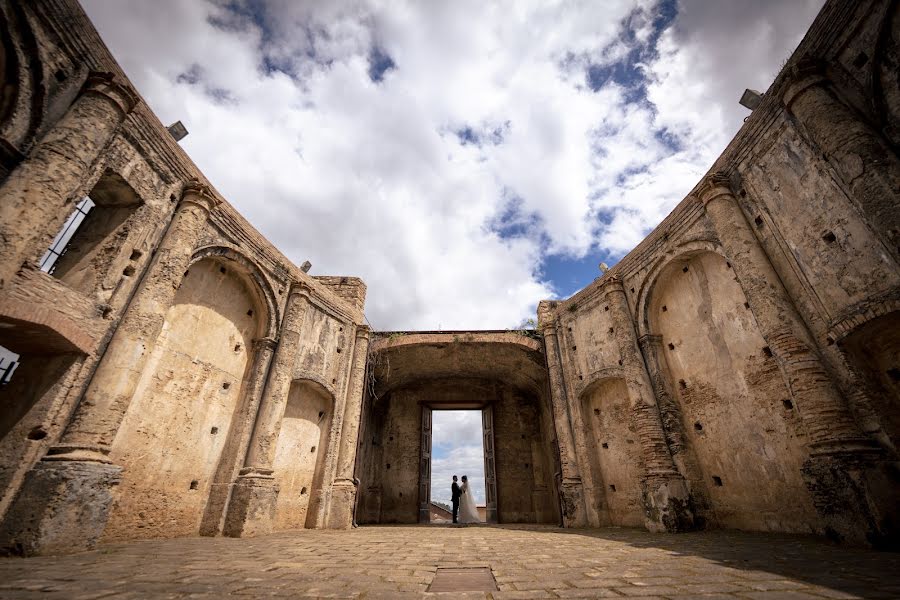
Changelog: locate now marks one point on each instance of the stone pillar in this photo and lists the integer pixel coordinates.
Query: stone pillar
(343, 499)
(251, 510)
(673, 427)
(863, 160)
(848, 480)
(220, 491)
(39, 194)
(64, 502)
(665, 493)
(574, 513)
(651, 348)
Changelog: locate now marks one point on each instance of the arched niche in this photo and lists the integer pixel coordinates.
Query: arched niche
(874, 349)
(736, 410)
(177, 425)
(614, 449)
(259, 286)
(300, 454)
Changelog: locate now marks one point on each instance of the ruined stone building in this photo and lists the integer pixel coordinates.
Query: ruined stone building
(177, 375)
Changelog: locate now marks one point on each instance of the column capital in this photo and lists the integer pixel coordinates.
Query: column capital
(713, 186)
(804, 74)
(112, 88)
(199, 194)
(363, 331)
(650, 340)
(264, 343)
(611, 284)
(301, 288)
(545, 314)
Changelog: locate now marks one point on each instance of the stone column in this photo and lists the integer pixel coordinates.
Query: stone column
(673, 426)
(845, 474)
(220, 491)
(665, 493)
(651, 348)
(574, 513)
(39, 194)
(863, 159)
(251, 510)
(64, 502)
(343, 499)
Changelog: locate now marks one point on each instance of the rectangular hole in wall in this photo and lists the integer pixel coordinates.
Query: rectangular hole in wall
(717, 481)
(88, 229)
(612, 487)
(9, 361)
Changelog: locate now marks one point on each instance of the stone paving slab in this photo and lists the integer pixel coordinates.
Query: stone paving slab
(400, 562)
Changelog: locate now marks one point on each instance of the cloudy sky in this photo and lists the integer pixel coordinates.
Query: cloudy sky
(468, 158)
(456, 449)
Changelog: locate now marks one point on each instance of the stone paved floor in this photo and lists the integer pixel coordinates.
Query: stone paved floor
(400, 562)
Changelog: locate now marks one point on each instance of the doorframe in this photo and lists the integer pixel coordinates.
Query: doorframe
(488, 450)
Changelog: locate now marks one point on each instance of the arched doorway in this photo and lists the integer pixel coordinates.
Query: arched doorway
(499, 373)
(177, 425)
(736, 410)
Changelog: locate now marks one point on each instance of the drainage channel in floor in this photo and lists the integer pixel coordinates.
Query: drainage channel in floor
(463, 579)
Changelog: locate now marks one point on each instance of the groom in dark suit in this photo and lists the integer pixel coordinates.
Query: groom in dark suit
(455, 493)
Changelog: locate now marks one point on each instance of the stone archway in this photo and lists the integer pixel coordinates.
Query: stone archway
(500, 373)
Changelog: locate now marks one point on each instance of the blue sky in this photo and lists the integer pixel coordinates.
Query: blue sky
(465, 159)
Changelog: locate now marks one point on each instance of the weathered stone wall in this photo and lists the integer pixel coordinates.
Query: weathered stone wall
(174, 432)
(765, 308)
(147, 352)
(179, 375)
(300, 456)
(392, 451)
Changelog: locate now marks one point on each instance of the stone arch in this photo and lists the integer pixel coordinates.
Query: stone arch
(874, 351)
(680, 253)
(22, 96)
(300, 454)
(250, 269)
(178, 424)
(736, 410)
(614, 448)
(885, 81)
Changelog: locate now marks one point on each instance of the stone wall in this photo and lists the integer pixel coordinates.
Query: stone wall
(738, 368)
(164, 330)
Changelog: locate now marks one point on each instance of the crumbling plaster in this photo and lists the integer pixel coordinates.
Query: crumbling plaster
(738, 368)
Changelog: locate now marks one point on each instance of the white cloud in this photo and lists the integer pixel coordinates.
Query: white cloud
(371, 179)
(456, 450)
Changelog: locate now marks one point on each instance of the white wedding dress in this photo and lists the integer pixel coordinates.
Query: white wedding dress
(468, 512)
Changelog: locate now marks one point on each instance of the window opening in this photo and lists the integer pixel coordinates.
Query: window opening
(61, 241)
(9, 361)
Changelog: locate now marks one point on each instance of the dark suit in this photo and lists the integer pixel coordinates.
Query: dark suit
(455, 493)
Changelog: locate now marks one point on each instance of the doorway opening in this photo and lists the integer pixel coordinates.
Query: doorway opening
(457, 442)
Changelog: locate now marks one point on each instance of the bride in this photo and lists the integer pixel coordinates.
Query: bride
(468, 513)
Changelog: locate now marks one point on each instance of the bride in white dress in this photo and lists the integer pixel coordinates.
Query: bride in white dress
(468, 513)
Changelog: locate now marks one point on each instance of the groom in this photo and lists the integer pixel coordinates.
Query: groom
(455, 493)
